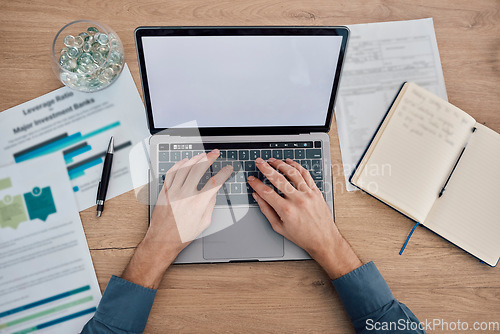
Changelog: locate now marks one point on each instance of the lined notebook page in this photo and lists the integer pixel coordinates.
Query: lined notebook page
(468, 213)
(415, 153)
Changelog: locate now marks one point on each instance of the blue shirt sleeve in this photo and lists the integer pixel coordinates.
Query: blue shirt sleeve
(124, 308)
(370, 304)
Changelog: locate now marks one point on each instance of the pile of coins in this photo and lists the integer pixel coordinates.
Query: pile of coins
(91, 60)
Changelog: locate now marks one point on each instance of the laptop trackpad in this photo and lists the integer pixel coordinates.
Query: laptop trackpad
(251, 237)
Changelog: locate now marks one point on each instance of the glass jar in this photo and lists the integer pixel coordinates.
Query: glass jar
(87, 56)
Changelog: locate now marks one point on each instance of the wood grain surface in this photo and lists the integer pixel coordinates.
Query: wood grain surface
(434, 278)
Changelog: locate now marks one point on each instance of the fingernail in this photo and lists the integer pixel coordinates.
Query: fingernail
(229, 167)
(259, 161)
(254, 196)
(289, 160)
(215, 150)
(271, 160)
(251, 178)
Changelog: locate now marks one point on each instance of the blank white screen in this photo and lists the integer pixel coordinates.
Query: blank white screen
(240, 81)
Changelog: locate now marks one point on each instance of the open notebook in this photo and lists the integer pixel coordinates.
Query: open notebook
(435, 164)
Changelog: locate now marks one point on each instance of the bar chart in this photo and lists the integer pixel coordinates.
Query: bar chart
(72, 146)
(73, 306)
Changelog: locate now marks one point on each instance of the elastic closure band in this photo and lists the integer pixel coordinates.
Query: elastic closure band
(408, 238)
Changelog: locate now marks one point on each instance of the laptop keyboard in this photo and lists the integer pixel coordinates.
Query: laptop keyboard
(242, 157)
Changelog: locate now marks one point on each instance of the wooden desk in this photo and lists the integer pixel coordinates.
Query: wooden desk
(435, 279)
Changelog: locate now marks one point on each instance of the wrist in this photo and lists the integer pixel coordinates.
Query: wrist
(148, 265)
(338, 259)
(165, 250)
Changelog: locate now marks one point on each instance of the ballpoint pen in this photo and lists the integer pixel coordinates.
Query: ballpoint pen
(106, 173)
(456, 163)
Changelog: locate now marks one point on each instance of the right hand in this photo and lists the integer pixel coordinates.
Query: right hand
(303, 216)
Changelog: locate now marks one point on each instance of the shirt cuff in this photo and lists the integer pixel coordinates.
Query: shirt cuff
(125, 305)
(363, 291)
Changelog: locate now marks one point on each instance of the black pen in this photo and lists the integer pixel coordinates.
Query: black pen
(456, 163)
(106, 173)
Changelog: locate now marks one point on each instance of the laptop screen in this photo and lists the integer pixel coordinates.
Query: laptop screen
(241, 81)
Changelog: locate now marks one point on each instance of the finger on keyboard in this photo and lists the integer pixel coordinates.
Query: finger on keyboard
(304, 172)
(201, 166)
(277, 179)
(182, 175)
(266, 193)
(291, 173)
(218, 179)
(170, 174)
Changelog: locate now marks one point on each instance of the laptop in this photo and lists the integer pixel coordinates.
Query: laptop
(250, 92)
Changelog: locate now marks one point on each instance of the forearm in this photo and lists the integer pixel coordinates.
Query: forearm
(337, 259)
(125, 305)
(365, 294)
(149, 263)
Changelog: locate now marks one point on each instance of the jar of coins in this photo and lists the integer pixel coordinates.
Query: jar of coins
(88, 56)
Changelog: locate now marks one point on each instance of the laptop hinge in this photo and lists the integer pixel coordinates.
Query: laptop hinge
(179, 135)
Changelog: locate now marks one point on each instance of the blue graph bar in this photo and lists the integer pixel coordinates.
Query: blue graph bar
(57, 321)
(79, 171)
(69, 157)
(52, 147)
(98, 131)
(62, 143)
(73, 176)
(41, 144)
(44, 301)
(66, 318)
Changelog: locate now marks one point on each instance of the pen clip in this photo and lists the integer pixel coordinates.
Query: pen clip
(98, 192)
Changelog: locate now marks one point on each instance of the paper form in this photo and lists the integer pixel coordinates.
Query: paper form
(47, 280)
(380, 58)
(78, 126)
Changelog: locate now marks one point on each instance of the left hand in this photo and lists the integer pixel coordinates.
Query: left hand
(181, 214)
(182, 211)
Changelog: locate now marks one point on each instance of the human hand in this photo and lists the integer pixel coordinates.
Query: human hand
(302, 216)
(182, 211)
(181, 214)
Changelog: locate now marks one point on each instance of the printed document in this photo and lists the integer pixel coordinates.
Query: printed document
(380, 58)
(47, 280)
(78, 126)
